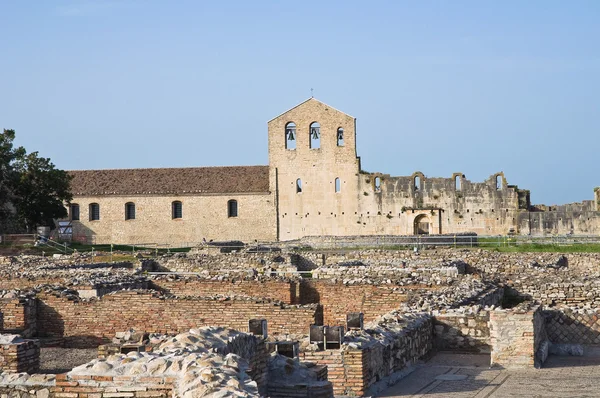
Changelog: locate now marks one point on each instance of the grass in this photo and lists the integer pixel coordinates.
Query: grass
(548, 248)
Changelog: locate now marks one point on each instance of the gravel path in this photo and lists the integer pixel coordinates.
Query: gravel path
(57, 360)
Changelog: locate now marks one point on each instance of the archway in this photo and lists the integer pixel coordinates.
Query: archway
(421, 225)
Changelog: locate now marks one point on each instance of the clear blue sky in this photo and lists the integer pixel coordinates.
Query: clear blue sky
(441, 87)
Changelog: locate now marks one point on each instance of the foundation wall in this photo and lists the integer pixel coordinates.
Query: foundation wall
(90, 323)
(284, 291)
(354, 371)
(515, 337)
(19, 316)
(20, 357)
(339, 299)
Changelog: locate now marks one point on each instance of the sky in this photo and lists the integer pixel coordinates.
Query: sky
(440, 87)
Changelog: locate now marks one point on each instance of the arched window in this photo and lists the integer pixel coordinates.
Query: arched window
(457, 183)
(232, 208)
(176, 210)
(417, 183)
(130, 211)
(74, 208)
(377, 184)
(298, 185)
(290, 136)
(338, 186)
(94, 211)
(340, 137)
(498, 182)
(315, 135)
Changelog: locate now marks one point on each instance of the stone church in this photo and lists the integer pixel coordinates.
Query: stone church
(313, 186)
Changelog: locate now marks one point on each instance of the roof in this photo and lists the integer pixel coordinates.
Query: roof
(211, 180)
(305, 101)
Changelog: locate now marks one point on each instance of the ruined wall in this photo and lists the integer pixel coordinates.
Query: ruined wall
(575, 218)
(400, 204)
(20, 356)
(357, 367)
(204, 217)
(460, 331)
(93, 322)
(284, 291)
(19, 316)
(84, 386)
(516, 335)
(339, 299)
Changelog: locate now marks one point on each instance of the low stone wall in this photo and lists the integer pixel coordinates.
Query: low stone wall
(276, 289)
(460, 331)
(366, 359)
(19, 315)
(85, 386)
(90, 323)
(516, 335)
(565, 326)
(19, 356)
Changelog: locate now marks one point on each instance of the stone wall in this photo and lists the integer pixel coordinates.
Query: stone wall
(18, 355)
(204, 217)
(93, 322)
(462, 331)
(367, 360)
(85, 386)
(276, 289)
(516, 335)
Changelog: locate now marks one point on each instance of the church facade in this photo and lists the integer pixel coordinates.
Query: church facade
(313, 186)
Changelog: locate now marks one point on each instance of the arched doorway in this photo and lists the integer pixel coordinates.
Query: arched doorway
(422, 225)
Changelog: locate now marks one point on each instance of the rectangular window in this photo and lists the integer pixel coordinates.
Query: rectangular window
(130, 211)
(94, 211)
(74, 212)
(176, 210)
(232, 208)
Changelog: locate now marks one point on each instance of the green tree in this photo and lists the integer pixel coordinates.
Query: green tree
(32, 190)
(8, 177)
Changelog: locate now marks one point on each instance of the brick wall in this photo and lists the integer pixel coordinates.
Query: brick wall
(19, 316)
(85, 386)
(338, 299)
(355, 372)
(20, 357)
(281, 290)
(90, 323)
(515, 336)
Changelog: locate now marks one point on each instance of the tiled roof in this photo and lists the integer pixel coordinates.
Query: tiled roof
(213, 180)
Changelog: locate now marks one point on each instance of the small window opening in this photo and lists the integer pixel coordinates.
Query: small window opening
(417, 183)
(377, 184)
(232, 208)
(315, 135)
(176, 210)
(74, 212)
(290, 136)
(94, 211)
(298, 185)
(498, 182)
(338, 186)
(130, 211)
(340, 137)
(457, 183)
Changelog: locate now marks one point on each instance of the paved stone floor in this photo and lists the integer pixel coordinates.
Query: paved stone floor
(462, 376)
